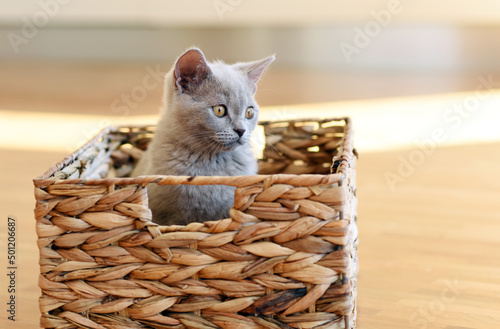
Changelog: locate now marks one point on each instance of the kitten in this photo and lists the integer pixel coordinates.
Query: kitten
(204, 131)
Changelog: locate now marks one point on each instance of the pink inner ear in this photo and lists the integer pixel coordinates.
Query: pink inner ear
(255, 74)
(255, 69)
(191, 68)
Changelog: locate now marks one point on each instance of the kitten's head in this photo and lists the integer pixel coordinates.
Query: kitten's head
(213, 103)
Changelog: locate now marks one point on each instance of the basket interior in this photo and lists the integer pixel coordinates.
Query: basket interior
(282, 147)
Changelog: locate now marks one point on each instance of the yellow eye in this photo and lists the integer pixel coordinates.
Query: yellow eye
(249, 113)
(219, 110)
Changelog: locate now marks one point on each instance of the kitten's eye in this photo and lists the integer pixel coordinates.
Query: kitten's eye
(219, 110)
(249, 113)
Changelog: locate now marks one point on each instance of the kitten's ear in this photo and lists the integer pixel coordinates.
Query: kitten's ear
(190, 70)
(254, 70)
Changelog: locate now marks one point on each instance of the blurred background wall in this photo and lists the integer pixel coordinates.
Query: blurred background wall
(326, 50)
(387, 34)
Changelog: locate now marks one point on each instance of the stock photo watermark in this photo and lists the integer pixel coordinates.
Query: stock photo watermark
(127, 101)
(364, 36)
(453, 117)
(47, 9)
(222, 7)
(11, 268)
(428, 314)
(131, 99)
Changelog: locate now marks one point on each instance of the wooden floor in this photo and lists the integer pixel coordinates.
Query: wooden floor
(429, 240)
(429, 251)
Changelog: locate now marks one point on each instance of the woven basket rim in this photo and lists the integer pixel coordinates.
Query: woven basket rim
(303, 179)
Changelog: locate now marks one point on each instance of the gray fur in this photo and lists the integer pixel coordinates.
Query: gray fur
(190, 140)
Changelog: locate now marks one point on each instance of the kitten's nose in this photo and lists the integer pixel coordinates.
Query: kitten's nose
(240, 132)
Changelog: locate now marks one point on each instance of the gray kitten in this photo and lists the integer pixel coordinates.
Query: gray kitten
(204, 131)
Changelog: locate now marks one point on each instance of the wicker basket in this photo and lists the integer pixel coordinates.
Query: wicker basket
(286, 257)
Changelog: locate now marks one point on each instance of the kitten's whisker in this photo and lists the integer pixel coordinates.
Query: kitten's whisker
(197, 149)
(214, 150)
(201, 133)
(200, 153)
(277, 151)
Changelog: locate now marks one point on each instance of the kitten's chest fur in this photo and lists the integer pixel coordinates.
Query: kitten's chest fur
(181, 204)
(178, 160)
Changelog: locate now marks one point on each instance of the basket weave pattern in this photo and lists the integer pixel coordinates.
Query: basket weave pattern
(285, 258)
